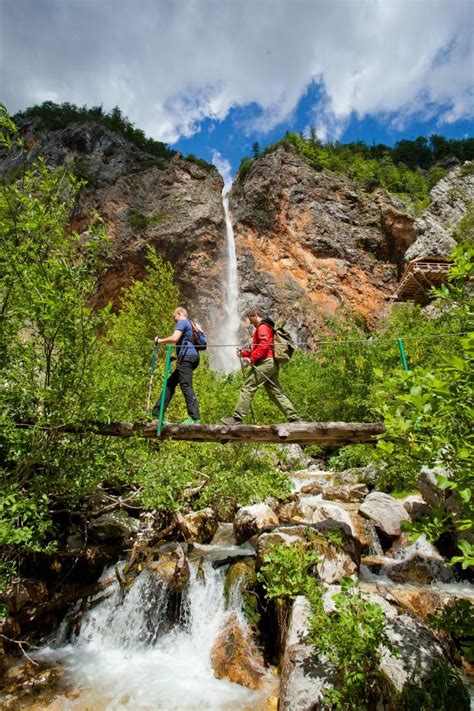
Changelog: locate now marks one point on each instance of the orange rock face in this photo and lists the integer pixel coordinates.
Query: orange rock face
(236, 657)
(312, 247)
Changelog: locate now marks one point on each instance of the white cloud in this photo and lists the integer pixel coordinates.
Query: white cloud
(171, 63)
(225, 169)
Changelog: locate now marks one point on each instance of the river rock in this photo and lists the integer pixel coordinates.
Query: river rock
(428, 485)
(114, 528)
(325, 511)
(304, 678)
(418, 568)
(414, 660)
(294, 512)
(386, 513)
(416, 507)
(349, 494)
(171, 568)
(201, 525)
(359, 475)
(422, 601)
(235, 656)
(224, 535)
(250, 520)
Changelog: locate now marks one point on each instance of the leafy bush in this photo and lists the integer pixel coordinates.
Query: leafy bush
(350, 639)
(285, 572)
(354, 455)
(428, 413)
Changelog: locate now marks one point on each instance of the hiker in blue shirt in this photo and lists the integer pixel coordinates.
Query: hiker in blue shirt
(187, 360)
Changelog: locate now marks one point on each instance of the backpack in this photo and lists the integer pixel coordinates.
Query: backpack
(283, 344)
(199, 338)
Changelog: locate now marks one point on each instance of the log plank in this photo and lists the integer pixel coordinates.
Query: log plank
(325, 433)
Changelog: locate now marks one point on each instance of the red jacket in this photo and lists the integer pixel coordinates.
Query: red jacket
(262, 344)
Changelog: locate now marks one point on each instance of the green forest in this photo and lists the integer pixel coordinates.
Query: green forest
(409, 169)
(63, 362)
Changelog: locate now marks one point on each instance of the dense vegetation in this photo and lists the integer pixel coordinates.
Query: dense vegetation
(63, 362)
(410, 168)
(56, 116)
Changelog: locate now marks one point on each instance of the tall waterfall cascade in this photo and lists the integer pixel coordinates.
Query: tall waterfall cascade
(227, 333)
(128, 655)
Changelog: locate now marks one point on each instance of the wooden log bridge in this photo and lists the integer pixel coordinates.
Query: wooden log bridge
(329, 433)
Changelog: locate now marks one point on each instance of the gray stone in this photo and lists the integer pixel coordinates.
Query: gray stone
(250, 520)
(385, 512)
(116, 527)
(201, 525)
(428, 485)
(303, 678)
(413, 660)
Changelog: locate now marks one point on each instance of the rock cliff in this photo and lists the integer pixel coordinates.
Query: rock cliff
(174, 206)
(311, 245)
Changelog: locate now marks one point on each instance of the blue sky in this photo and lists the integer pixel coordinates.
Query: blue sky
(232, 143)
(212, 76)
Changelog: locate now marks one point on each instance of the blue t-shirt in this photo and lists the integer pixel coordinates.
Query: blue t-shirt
(185, 347)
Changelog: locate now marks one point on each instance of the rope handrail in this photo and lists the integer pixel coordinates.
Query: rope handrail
(368, 341)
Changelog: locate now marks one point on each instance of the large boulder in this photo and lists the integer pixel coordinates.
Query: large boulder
(304, 679)
(113, 528)
(235, 656)
(201, 525)
(428, 485)
(417, 660)
(250, 520)
(386, 513)
(417, 568)
(171, 568)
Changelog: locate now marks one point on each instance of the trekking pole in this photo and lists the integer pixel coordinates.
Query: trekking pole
(243, 375)
(150, 384)
(163, 392)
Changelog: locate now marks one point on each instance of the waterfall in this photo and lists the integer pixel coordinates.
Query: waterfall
(227, 333)
(121, 659)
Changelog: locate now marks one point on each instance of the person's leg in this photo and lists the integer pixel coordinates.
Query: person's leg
(171, 384)
(251, 383)
(274, 391)
(185, 373)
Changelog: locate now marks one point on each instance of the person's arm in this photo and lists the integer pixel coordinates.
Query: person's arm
(174, 338)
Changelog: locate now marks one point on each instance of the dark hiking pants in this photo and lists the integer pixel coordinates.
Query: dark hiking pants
(182, 375)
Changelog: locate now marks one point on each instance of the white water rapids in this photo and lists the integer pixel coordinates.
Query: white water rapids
(122, 660)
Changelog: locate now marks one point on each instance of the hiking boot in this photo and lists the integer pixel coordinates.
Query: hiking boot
(230, 421)
(190, 421)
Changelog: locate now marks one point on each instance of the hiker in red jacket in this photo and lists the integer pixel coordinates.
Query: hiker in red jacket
(263, 371)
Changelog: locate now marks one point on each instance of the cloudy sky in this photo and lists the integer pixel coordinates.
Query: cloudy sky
(213, 76)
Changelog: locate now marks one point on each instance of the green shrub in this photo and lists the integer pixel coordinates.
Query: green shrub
(354, 455)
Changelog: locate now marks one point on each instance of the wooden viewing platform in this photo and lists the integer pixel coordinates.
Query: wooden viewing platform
(419, 276)
(329, 433)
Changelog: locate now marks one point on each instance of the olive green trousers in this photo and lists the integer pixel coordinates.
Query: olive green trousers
(264, 373)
